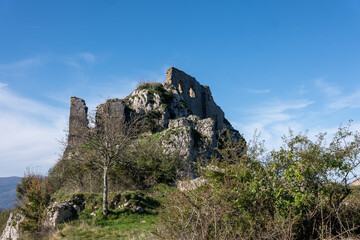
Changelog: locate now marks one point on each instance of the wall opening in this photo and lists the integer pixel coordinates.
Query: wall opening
(179, 88)
(192, 93)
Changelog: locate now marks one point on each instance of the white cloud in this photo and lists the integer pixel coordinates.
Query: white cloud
(348, 101)
(87, 57)
(20, 69)
(330, 89)
(79, 60)
(29, 130)
(26, 63)
(278, 111)
(273, 121)
(259, 90)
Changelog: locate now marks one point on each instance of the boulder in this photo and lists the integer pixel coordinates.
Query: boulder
(59, 213)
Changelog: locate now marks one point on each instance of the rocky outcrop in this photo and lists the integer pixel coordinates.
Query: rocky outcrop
(11, 231)
(60, 213)
(191, 137)
(180, 106)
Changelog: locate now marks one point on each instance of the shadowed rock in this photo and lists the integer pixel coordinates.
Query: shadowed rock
(198, 97)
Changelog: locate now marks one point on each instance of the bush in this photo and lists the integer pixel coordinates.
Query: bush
(4, 216)
(298, 192)
(34, 194)
(146, 165)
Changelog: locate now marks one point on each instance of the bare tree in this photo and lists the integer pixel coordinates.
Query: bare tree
(105, 142)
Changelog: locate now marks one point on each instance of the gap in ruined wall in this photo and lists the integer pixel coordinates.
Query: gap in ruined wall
(191, 92)
(180, 88)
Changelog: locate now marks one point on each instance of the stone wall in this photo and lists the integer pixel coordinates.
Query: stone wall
(78, 123)
(198, 97)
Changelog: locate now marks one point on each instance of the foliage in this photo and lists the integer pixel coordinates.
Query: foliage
(146, 165)
(71, 175)
(150, 121)
(4, 215)
(157, 88)
(298, 192)
(121, 222)
(134, 226)
(141, 165)
(104, 145)
(34, 193)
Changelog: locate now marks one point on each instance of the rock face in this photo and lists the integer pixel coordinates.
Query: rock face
(190, 136)
(11, 231)
(59, 213)
(180, 106)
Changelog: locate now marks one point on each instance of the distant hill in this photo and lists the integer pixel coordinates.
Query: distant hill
(8, 191)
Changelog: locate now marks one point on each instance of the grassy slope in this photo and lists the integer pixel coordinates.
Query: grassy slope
(128, 226)
(120, 224)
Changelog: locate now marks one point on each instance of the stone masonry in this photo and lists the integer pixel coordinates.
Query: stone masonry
(198, 97)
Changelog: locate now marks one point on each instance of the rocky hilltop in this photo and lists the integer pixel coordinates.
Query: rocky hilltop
(181, 111)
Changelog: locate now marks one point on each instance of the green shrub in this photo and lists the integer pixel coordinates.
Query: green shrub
(4, 216)
(146, 165)
(298, 192)
(34, 193)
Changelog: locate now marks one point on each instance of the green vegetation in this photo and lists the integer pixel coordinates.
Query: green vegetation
(147, 165)
(126, 226)
(198, 138)
(34, 193)
(297, 192)
(151, 121)
(4, 215)
(157, 88)
(300, 191)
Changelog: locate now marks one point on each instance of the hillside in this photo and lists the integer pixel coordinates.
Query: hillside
(8, 191)
(165, 163)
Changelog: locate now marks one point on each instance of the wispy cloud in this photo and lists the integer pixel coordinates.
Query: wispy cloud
(87, 57)
(21, 68)
(80, 59)
(25, 63)
(259, 90)
(348, 101)
(29, 130)
(337, 98)
(278, 111)
(328, 88)
(273, 120)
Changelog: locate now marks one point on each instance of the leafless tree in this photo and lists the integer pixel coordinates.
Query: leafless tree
(105, 142)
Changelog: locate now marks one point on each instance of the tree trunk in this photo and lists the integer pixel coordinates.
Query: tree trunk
(105, 192)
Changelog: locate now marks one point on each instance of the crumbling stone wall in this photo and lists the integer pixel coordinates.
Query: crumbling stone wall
(78, 123)
(198, 97)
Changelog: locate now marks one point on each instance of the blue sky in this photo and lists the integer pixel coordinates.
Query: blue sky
(270, 65)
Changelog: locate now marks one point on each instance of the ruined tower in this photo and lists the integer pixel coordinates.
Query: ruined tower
(198, 97)
(78, 123)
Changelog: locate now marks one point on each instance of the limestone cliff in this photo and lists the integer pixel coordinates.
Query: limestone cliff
(181, 111)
